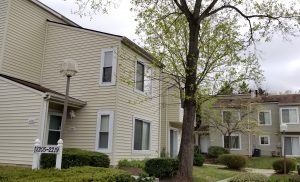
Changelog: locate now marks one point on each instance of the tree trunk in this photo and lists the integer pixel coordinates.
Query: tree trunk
(186, 152)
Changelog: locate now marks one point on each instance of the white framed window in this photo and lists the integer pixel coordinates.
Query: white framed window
(143, 78)
(289, 115)
(108, 66)
(141, 135)
(104, 131)
(233, 142)
(264, 118)
(264, 140)
(54, 128)
(230, 116)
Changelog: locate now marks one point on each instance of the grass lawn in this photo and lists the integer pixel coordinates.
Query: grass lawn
(212, 174)
(263, 162)
(284, 178)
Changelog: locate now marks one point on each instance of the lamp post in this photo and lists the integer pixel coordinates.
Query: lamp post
(283, 128)
(68, 69)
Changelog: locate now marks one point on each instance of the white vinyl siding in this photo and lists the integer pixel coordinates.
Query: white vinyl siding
(108, 67)
(85, 48)
(289, 115)
(25, 40)
(143, 78)
(264, 118)
(20, 113)
(104, 133)
(4, 4)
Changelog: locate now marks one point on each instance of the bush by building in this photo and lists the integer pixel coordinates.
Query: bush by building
(233, 161)
(161, 167)
(278, 165)
(216, 151)
(76, 157)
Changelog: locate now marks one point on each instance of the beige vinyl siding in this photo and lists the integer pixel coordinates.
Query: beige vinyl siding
(171, 110)
(24, 43)
(4, 4)
(17, 106)
(173, 105)
(85, 48)
(129, 104)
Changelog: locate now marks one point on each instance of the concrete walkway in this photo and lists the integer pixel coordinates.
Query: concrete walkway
(267, 172)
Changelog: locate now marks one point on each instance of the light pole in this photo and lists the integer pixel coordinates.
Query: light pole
(68, 69)
(283, 128)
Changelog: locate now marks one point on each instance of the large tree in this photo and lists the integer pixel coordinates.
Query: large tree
(244, 21)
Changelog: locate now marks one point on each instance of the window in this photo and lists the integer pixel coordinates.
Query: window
(264, 118)
(54, 128)
(234, 141)
(230, 116)
(104, 131)
(108, 66)
(143, 78)
(289, 115)
(141, 135)
(292, 146)
(264, 140)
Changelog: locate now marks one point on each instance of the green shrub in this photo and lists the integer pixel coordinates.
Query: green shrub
(198, 159)
(74, 174)
(233, 161)
(161, 167)
(249, 177)
(76, 157)
(132, 163)
(216, 151)
(278, 165)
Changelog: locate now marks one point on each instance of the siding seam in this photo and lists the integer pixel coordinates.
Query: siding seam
(44, 53)
(4, 34)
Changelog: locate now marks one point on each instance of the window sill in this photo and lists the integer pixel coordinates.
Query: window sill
(264, 144)
(142, 93)
(235, 149)
(264, 124)
(106, 151)
(106, 84)
(141, 152)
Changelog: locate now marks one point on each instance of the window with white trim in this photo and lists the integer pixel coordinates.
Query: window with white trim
(104, 131)
(289, 115)
(234, 141)
(108, 66)
(143, 78)
(230, 116)
(141, 135)
(264, 140)
(264, 118)
(54, 128)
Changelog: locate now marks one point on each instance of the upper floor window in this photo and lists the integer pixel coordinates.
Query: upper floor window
(230, 116)
(104, 131)
(108, 66)
(141, 135)
(289, 115)
(143, 78)
(264, 118)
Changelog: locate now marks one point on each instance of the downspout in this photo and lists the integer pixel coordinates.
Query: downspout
(43, 117)
(249, 139)
(159, 123)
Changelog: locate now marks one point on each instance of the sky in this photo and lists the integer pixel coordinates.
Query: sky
(279, 59)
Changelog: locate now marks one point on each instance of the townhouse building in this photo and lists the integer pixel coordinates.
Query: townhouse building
(115, 103)
(270, 112)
